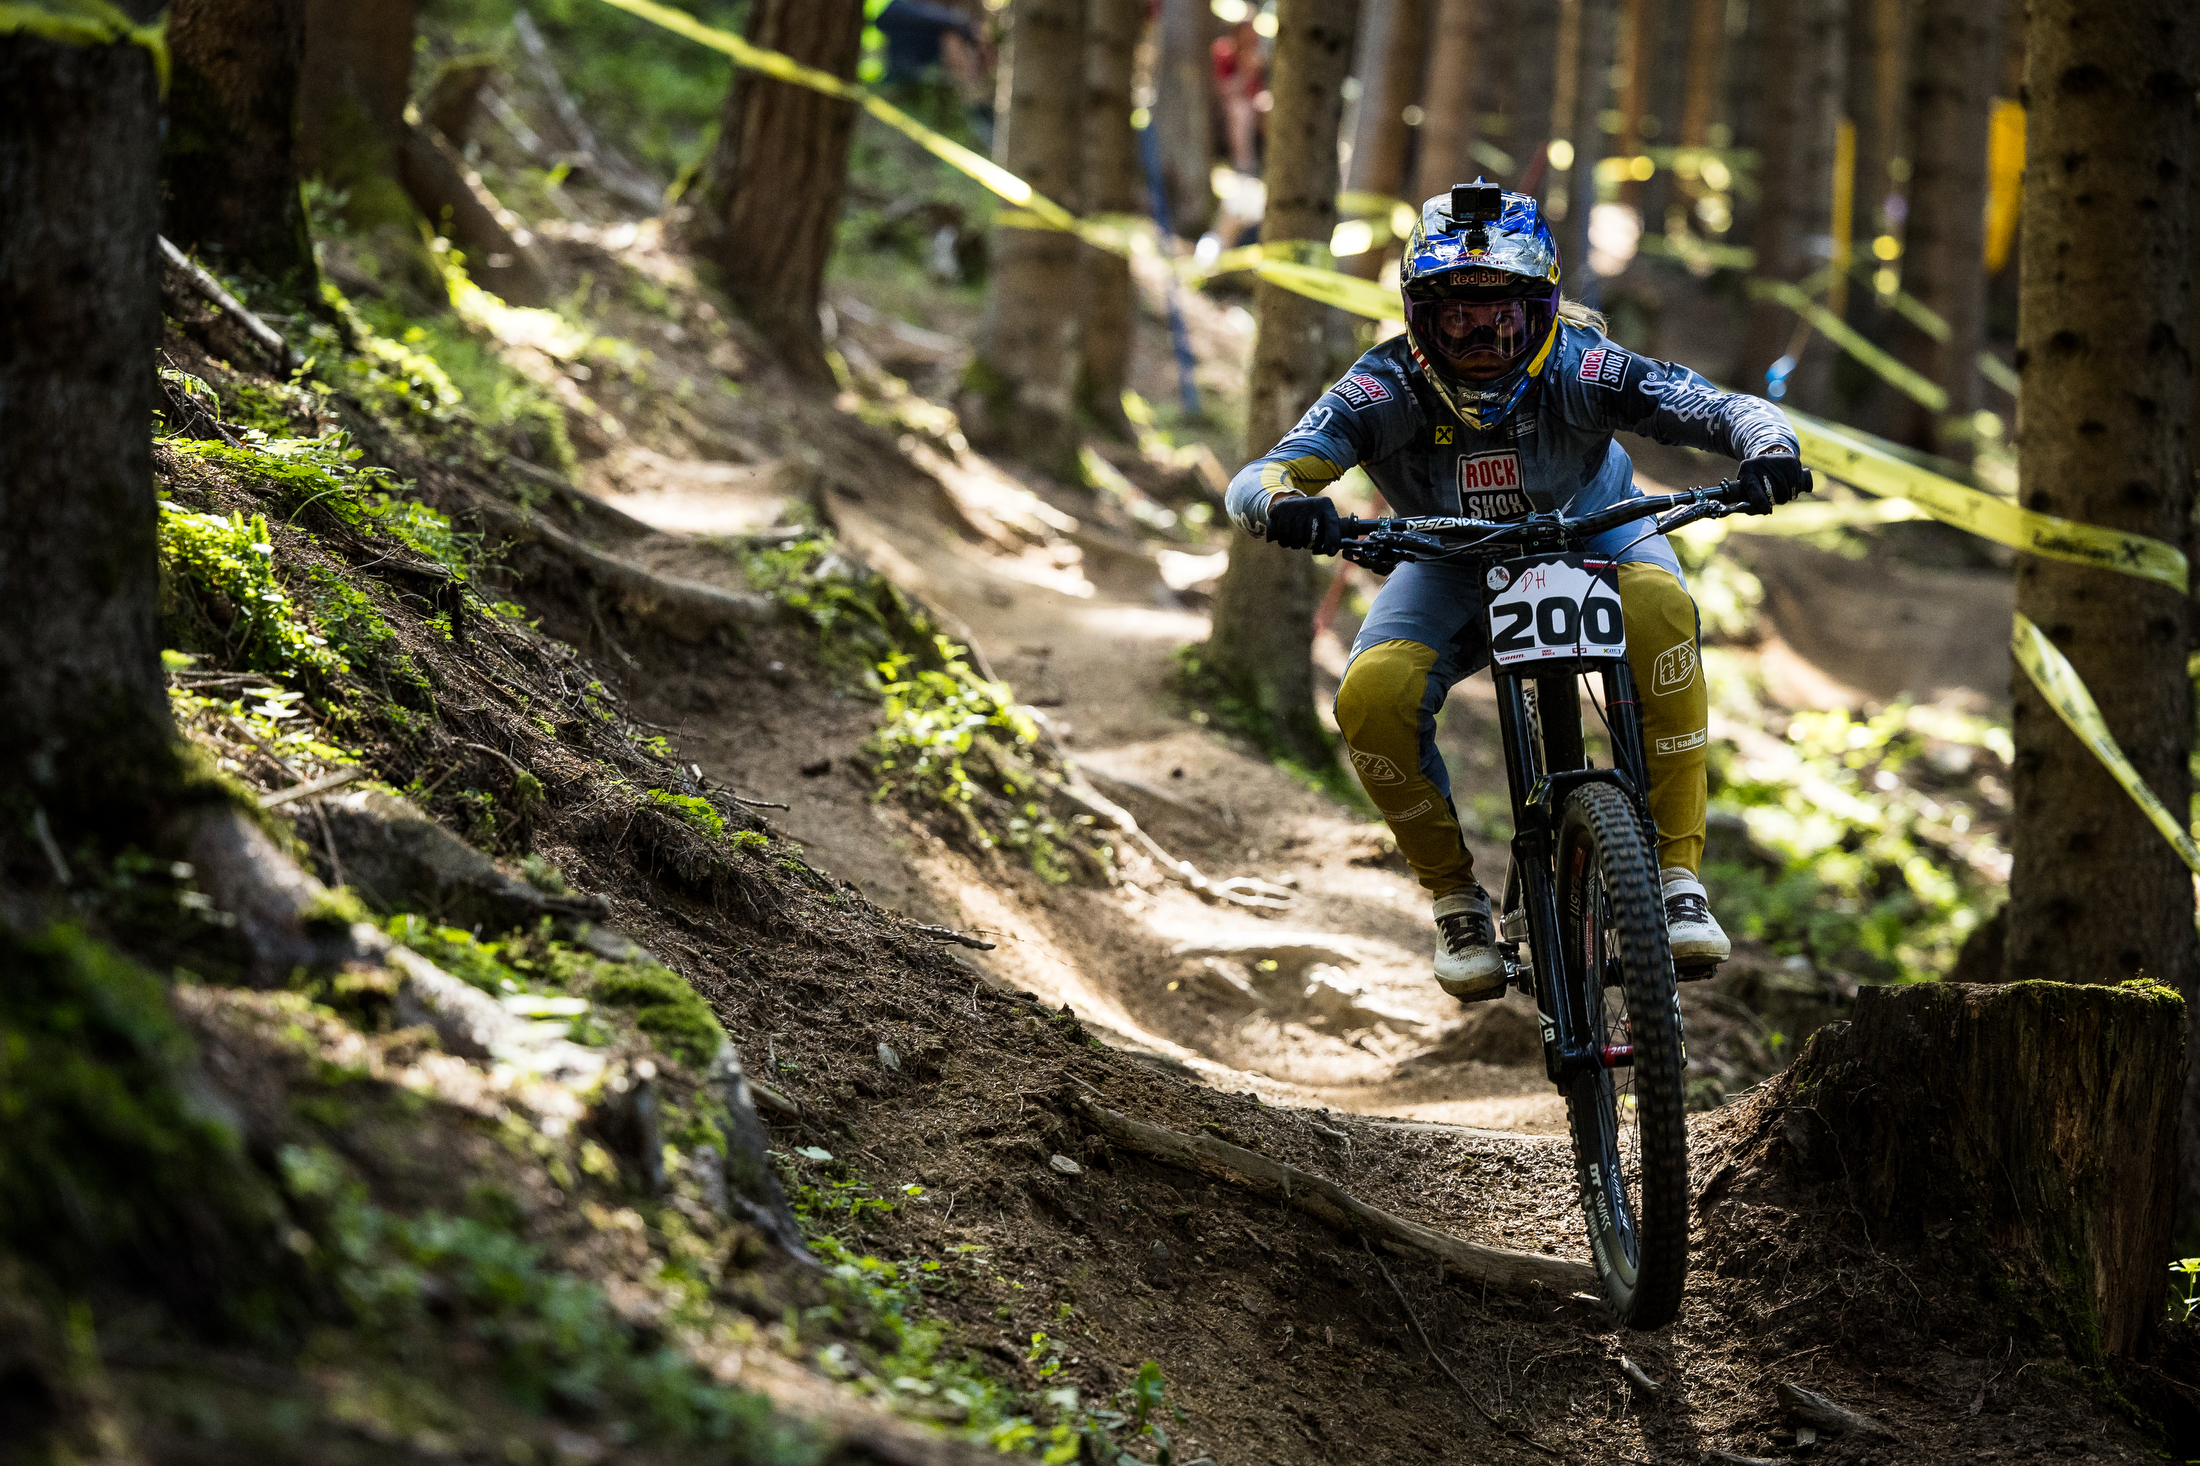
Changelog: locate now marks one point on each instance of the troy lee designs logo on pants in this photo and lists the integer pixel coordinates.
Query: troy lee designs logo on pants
(1489, 486)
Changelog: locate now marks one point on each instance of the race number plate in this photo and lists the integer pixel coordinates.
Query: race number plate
(1554, 607)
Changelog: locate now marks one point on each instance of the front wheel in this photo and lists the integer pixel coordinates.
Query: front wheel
(1627, 1115)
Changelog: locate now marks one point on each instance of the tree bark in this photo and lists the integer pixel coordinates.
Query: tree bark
(229, 162)
(351, 121)
(84, 725)
(460, 207)
(1393, 45)
(2020, 1136)
(1943, 256)
(1451, 98)
(1019, 387)
(1184, 87)
(1706, 53)
(1592, 97)
(1262, 644)
(1111, 186)
(770, 195)
(2104, 350)
(1535, 93)
(1663, 38)
(1799, 61)
(1878, 47)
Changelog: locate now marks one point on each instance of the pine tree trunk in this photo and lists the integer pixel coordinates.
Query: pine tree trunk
(1535, 93)
(1184, 86)
(1943, 256)
(1111, 186)
(2017, 1142)
(84, 726)
(2095, 894)
(1451, 98)
(1666, 36)
(1393, 46)
(769, 197)
(1592, 98)
(1019, 391)
(1263, 637)
(1706, 57)
(229, 162)
(1798, 58)
(1878, 47)
(351, 122)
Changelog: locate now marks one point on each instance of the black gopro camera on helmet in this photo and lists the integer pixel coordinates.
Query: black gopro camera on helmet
(1479, 202)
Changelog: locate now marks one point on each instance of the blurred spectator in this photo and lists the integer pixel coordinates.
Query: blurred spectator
(918, 34)
(1241, 82)
(925, 38)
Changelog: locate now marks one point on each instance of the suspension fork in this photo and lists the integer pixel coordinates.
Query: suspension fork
(1623, 709)
(1535, 848)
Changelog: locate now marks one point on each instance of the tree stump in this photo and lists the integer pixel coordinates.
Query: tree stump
(2029, 1131)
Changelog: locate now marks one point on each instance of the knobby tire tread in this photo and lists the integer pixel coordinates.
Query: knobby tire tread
(1619, 844)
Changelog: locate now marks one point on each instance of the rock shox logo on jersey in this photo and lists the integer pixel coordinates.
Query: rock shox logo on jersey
(1361, 390)
(1605, 367)
(1489, 486)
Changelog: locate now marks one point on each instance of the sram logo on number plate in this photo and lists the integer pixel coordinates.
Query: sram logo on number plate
(1557, 606)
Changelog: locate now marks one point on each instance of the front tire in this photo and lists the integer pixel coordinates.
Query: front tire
(1629, 1123)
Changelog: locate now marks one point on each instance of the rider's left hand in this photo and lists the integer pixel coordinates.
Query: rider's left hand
(1773, 478)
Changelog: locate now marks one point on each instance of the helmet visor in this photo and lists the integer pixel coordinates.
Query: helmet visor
(1479, 340)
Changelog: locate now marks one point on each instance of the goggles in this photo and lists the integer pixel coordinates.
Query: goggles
(1479, 339)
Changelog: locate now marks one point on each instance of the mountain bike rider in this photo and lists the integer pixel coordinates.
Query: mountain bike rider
(1500, 399)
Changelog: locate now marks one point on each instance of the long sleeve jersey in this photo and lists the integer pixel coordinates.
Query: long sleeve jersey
(1554, 451)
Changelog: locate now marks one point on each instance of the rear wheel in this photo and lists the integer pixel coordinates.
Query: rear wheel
(1627, 1116)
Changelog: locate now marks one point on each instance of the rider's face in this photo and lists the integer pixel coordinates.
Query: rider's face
(1480, 339)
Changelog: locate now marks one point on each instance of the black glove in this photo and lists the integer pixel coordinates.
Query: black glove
(1773, 478)
(1305, 522)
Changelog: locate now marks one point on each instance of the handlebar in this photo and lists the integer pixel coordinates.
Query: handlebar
(1416, 537)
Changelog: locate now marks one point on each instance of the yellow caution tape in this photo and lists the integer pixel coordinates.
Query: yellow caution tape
(1811, 517)
(1853, 460)
(87, 23)
(1301, 266)
(785, 68)
(2066, 692)
(1839, 332)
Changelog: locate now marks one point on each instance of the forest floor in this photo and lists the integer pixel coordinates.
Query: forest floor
(996, 1259)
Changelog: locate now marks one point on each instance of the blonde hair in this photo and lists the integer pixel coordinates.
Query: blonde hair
(1581, 315)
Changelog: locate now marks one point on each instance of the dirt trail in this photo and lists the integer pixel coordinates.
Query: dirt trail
(1325, 1004)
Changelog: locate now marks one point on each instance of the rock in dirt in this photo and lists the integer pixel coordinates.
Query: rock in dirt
(396, 858)
(752, 1188)
(887, 1058)
(1065, 1165)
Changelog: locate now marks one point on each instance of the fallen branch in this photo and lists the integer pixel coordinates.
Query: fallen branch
(1238, 890)
(685, 610)
(1638, 1379)
(260, 331)
(949, 934)
(1496, 1266)
(1812, 1408)
(614, 171)
(1441, 1363)
(311, 787)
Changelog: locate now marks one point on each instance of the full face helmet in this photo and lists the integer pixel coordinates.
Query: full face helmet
(1480, 279)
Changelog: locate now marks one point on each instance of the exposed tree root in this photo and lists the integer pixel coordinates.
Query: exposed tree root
(684, 610)
(1496, 1266)
(283, 914)
(1237, 890)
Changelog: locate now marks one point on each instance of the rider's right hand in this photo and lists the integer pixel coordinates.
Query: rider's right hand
(1305, 522)
(1773, 478)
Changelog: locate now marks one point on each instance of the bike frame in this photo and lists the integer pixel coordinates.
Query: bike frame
(1544, 772)
(1542, 778)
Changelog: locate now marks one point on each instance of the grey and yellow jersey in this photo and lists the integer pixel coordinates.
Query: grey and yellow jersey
(1554, 451)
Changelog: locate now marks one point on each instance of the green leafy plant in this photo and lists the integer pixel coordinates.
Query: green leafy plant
(228, 564)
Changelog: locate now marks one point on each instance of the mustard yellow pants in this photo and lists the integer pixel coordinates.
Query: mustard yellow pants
(1427, 632)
